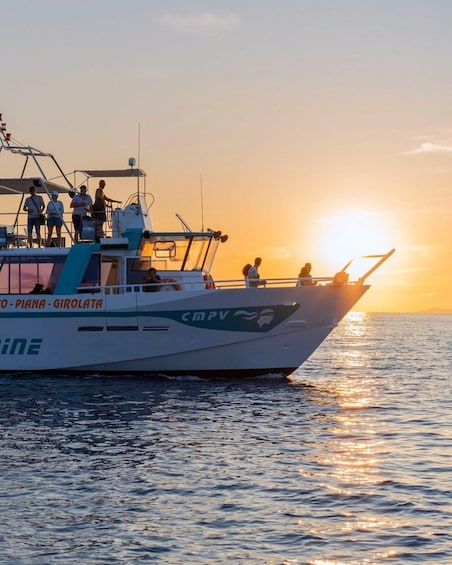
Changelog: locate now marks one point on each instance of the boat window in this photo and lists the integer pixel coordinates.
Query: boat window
(26, 274)
(137, 267)
(196, 256)
(92, 273)
(210, 255)
(184, 253)
(165, 249)
(110, 271)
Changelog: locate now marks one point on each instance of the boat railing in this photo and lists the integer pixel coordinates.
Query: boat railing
(223, 284)
(17, 232)
(277, 282)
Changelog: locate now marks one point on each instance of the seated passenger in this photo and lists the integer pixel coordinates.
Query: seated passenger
(39, 289)
(304, 276)
(152, 279)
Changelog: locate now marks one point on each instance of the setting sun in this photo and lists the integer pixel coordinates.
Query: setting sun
(352, 234)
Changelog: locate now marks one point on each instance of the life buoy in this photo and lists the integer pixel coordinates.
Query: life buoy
(208, 281)
(169, 285)
(340, 278)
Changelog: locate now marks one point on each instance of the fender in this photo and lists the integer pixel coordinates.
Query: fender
(169, 285)
(209, 284)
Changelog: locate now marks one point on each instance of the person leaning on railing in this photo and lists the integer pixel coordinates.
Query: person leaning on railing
(304, 276)
(99, 209)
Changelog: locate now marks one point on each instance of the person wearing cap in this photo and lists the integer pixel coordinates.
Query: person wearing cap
(34, 206)
(55, 211)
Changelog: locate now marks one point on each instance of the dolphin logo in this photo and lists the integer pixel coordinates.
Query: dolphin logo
(263, 318)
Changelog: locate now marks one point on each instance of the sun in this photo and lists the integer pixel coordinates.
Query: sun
(352, 234)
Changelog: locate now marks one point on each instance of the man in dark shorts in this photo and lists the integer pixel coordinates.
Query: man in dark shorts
(34, 206)
(81, 204)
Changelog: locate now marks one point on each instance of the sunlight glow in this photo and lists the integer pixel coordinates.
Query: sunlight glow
(353, 234)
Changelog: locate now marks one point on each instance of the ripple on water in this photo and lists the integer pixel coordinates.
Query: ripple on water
(345, 462)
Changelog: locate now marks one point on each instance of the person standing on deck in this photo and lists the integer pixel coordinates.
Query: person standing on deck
(81, 204)
(99, 209)
(34, 206)
(55, 211)
(253, 277)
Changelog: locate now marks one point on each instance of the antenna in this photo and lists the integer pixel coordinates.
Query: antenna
(139, 157)
(139, 144)
(202, 206)
(183, 222)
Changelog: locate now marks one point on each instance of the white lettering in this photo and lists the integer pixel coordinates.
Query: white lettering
(198, 317)
(204, 316)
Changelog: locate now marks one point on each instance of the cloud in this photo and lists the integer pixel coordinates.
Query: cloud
(203, 24)
(277, 253)
(428, 147)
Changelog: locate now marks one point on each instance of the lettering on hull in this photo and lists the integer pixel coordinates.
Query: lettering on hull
(261, 319)
(57, 303)
(20, 346)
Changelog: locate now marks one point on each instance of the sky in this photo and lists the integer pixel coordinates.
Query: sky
(306, 130)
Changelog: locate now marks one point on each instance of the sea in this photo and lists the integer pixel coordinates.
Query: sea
(348, 461)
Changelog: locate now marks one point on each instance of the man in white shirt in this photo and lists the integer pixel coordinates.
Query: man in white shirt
(254, 279)
(81, 204)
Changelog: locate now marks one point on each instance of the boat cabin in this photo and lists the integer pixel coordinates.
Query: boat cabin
(183, 260)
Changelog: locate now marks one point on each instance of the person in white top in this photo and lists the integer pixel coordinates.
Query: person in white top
(253, 277)
(34, 206)
(55, 211)
(81, 204)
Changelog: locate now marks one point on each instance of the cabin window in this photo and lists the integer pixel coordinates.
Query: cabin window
(165, 249)
(137, 267)
(91, 276)
(196, 253)
(110, 271)
(22, 275)
(183, 253)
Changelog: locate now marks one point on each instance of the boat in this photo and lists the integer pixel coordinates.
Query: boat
(82, 307)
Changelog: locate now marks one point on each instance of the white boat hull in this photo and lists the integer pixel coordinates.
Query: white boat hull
(220, 333)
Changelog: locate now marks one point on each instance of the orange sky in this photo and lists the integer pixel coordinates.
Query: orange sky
(321, 129)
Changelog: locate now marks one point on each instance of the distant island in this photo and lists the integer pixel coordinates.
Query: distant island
(437, 311)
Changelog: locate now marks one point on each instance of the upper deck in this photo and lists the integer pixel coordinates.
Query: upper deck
(117, 261)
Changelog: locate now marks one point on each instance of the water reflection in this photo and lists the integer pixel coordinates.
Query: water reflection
(356, 445)
(348, 455)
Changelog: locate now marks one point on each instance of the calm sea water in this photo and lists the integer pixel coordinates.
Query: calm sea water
(347, 462)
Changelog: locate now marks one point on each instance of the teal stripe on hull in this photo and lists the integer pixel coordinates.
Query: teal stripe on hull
(256, 319)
